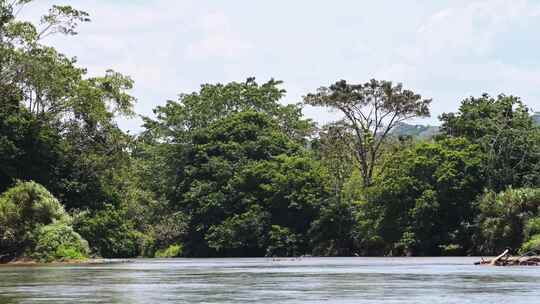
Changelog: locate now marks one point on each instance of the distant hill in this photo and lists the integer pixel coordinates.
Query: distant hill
(417, 131)
(427, 131)
(536, 117)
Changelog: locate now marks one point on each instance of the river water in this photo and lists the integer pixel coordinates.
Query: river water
(266, 280)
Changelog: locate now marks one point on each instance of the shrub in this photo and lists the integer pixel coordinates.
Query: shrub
(170, 230)
(23, 210)
(282, 242)
(532, 236)
(532, 227)
(532, 245)
(330, 233)
(172, 251)
(504, 218)
(58, 241)
(110, 232)
(148, 245)
(241, 234)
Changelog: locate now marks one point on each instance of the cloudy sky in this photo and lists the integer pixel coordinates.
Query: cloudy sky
(445, 50)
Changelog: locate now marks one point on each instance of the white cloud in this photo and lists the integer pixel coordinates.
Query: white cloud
(219, 39)
(463, 50)
(465, 30)
(447, 49)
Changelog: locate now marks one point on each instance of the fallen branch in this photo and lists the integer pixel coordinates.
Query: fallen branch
(496, 260)
(504, 259)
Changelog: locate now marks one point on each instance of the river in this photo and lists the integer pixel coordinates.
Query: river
(267, 280)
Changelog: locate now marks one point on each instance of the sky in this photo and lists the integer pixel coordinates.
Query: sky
(444, 50)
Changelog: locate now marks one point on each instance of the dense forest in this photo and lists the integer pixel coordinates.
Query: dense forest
(230, 170)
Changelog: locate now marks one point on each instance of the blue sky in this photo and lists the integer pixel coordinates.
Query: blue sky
(445, 50)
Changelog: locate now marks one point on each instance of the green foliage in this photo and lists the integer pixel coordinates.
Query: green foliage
(29, 148)
(178, 121)
(172, 251)
(193, 154)
(241, 234)
(282, 242)
(372, 110)
(532, 245)
(169, 229)
(23, 210)
(58, 241)
(507, 134)
(532, 227)
(332, 232)
(34, 223)
(244, 175)
(110, 232)
(532, 236)
(423, 201)
(506, 219)
(57, 127)
(334, 150)
(229, 170)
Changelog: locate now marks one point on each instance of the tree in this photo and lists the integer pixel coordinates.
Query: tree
(58, 127)
(371, 111)
(508, 135)
(423, 204)
(40, 75)
(163, 152)
(334, 147)
(29, 148)
(110, 232)
(243, 175)
(176, 121)
(332, 232)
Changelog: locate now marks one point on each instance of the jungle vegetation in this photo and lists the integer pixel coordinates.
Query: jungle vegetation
(229, 170)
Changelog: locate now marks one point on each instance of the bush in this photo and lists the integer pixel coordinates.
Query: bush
(59, 242)
(532, 245)
(504, 218)
(110, 232)
(532, 227)
(23, 210)
(148, 247)
(170, 230)
(282, 242)
(532, 236)
(172, 251)
(241, 234)
(330, 234)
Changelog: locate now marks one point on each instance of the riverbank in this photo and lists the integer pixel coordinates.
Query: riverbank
(87, 262)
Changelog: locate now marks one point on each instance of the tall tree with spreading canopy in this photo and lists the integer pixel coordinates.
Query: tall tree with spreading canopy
(371, 111)
(177, 120)
(165, 138)
(508, 135)
(243, 180)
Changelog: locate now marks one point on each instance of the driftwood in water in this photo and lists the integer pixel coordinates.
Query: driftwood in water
(505, 259)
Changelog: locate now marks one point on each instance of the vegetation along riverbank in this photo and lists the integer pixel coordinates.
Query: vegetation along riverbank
(231, 171)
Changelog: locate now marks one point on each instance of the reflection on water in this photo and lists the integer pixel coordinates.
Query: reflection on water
(283, 281)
